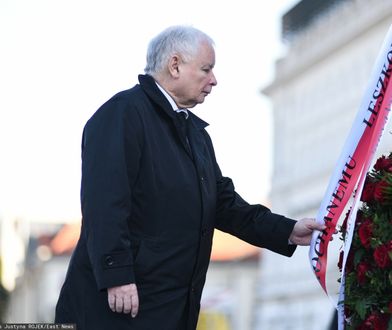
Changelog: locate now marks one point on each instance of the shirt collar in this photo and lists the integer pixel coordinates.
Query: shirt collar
(171, 101)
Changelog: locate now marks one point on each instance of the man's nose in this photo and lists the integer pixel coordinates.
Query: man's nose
(213, 80)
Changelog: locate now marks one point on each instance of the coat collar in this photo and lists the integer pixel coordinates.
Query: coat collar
(151, 89)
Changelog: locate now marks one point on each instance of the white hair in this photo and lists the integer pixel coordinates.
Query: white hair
(182, 40)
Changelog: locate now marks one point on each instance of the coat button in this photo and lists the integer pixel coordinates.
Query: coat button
(202, 178)
(109, 260)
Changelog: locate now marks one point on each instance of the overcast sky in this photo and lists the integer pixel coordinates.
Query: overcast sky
(61, 59)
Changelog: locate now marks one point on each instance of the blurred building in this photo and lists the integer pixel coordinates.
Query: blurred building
(14, 234)
(316, 93)
(46, 256)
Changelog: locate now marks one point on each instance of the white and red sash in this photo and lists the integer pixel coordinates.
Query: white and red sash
(351, 169)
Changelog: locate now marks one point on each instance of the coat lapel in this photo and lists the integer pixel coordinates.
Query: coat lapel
(191, 142)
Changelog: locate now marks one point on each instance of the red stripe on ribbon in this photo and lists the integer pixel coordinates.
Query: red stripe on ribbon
(356, 166)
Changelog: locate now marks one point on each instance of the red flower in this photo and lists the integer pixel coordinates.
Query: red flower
(372, 248)
(379, 191)
(365, 233)
(381, 256)
(377, 321)
(368, 191)
(362, 269)
(383, 163)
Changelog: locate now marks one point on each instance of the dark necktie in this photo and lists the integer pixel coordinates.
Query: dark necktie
(181, 116)
(183, 124)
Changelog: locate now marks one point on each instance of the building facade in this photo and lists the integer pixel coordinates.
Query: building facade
(316, 93)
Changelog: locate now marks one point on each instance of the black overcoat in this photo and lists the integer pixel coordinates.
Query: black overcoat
(150, 203)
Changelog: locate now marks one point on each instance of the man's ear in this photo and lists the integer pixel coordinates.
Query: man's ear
(174, 64)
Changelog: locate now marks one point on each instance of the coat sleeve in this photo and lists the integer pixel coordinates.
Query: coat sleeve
(255, 224)
(111, 151)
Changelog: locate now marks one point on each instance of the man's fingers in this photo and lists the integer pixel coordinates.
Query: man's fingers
(119, 305)
(127, 304)
(135, 304)
(112, 301)
(312, 224)
(320, 226)
(124, 299)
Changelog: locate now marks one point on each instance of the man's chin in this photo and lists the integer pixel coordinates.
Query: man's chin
(201, 99)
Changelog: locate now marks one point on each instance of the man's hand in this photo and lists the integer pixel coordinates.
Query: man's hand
(303, 229)
(124, 299)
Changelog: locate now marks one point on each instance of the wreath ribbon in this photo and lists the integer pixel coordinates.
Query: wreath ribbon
(346, 183)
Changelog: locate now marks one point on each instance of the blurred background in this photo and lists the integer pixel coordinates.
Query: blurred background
(291, 75)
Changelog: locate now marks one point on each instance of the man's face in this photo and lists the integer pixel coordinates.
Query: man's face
(196, 79)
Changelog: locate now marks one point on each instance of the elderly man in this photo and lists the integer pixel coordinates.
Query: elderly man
(152, 194)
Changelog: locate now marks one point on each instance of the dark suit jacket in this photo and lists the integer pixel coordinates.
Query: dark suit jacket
(150, 206)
